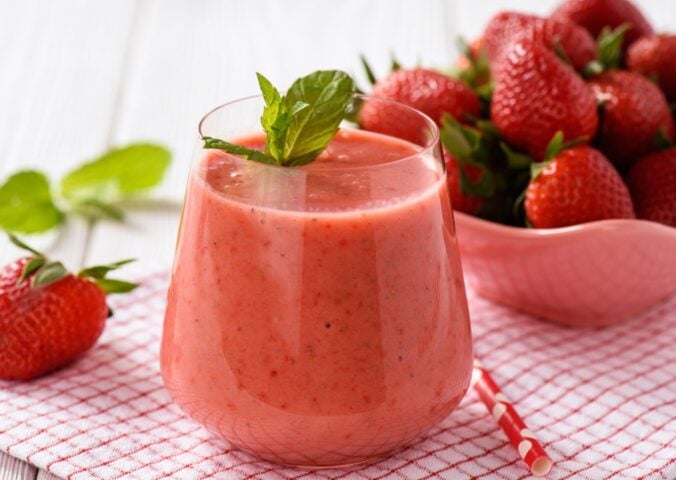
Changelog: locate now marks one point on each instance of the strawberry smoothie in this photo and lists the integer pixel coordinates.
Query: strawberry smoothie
(317, 314)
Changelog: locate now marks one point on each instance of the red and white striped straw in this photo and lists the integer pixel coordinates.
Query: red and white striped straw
(519, 435)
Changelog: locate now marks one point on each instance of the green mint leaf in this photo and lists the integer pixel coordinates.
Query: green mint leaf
(248, 153)
(118, 174)
(26, 204)
(100, 271)
(50, 273)
(32, 266)
(23, 246)
(328, 94)
(109, 285)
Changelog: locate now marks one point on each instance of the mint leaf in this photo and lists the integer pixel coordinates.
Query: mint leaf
(26, 204)
(300, 124)
(247, 153)
(328, 95)
(120, 173)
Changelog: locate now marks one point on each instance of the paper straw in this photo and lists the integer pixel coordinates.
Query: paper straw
(503, 412)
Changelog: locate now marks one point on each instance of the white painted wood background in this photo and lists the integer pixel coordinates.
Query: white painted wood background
(77, 76)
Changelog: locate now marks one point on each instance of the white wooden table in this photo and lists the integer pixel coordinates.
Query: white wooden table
(77, 76)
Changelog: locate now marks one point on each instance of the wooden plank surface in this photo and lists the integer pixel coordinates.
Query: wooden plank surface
(77, 76)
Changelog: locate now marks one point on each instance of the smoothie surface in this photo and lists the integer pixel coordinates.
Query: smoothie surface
(358, 170)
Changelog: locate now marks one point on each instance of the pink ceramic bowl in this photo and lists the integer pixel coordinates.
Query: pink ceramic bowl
(592, 274)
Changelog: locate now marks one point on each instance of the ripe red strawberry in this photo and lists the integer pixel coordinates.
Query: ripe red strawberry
(49, 317)
(430, 92)
(462, 202)
(578, 185)
(575, 42)
(536, 95)
(634, 110)
(655, 57)
(594, 15)
(652, 183)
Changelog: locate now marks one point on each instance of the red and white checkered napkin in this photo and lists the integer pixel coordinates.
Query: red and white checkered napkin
(602, 402)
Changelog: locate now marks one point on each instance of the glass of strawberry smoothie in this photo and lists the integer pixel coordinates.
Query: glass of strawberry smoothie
(317, 314)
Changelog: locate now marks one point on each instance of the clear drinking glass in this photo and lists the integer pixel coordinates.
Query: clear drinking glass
(317, 314)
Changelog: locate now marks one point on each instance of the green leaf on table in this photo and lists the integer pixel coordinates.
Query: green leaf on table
(26, 204)
(118, 174)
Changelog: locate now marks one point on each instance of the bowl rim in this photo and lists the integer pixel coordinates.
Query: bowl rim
(598, 225)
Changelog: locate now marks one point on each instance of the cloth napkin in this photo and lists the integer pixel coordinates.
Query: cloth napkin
(601, 401)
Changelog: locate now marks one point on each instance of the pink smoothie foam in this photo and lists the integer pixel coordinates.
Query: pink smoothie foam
(319, 320)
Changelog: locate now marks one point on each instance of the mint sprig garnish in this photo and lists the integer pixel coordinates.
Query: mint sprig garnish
(29, 204)
(300, 124)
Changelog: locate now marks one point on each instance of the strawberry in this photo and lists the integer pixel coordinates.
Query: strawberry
(49, 317)
(577, 185)
(652, 183)
(634, 111)
(654, 57)
(536, 95)
(595, 15)
(568, 39)
(430, 92)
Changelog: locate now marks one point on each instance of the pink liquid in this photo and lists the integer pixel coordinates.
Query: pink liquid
(326, 329)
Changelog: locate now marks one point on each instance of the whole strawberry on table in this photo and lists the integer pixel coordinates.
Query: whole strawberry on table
(48, 316)
(551, 122)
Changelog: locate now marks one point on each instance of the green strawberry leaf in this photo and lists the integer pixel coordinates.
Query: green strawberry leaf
(118, 174)
(100, 271)
(33, 265)
(661, 140)
(370, 76)
(26, 204)
(454, 139)
(515, 160)
(23, 246)
(110, 285)
(555, 145)
(395, 64)
(610, 46)
(536, 168)
(50, 273)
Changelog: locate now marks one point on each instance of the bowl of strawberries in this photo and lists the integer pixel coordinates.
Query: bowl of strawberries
(558, 138)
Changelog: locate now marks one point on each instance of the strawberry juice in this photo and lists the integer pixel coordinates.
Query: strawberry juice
(317, 314)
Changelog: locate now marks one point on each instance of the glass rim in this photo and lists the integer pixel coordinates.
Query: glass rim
(427, 149)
